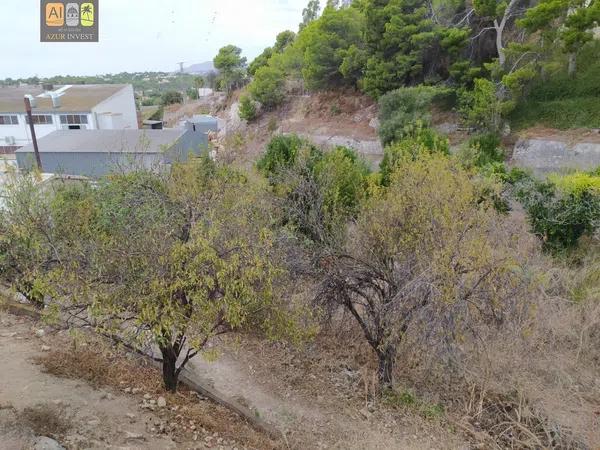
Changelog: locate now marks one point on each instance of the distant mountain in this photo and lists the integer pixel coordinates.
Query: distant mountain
(200, 69)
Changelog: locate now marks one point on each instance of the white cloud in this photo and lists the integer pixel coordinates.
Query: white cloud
(138, 35)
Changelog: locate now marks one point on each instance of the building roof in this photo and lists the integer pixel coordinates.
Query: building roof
(106, 141)
(203, 118)
(76, 98)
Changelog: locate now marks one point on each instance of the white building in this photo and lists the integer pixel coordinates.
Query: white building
(76, 107)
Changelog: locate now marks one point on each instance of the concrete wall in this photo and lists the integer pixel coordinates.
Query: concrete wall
(194, 142)
(92, 165)
(22, 134)
(97, 164)
(544, 156)
(121, 103)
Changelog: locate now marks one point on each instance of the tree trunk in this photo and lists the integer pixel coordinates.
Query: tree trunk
(499, 45)
(572, 64)
(169, 366)
(385, 372)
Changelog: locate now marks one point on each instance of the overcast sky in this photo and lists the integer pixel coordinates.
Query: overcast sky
(143, 35)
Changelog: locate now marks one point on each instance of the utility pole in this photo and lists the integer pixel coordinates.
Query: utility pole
(33, 138)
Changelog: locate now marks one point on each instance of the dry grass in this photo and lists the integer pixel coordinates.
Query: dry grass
(46, 420)
(100, 365)
(532, 384)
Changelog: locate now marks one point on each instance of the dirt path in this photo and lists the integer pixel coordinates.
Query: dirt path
(95, 418)
(317, 419)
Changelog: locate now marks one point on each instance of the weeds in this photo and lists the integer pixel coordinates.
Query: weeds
(406, 399)
(46, 420)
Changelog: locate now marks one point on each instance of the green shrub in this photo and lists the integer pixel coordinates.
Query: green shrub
(481, 150)
(482, 107)
(559, 101)
(268, 86)
(402, 108)
(562, 114)
(282, 152)
(247, 110)
(562, 209)
(417, 141)
(171, 97)
(342, 177)
(319, 191)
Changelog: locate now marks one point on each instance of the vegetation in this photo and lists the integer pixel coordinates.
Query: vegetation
(319, 192)
(562, 209)
(232, 67)
(433, 260)
(166, 261)
(560, 100)
(268, 86)
(481, 151)
(247, 108)
(421, 259)
(171, 97)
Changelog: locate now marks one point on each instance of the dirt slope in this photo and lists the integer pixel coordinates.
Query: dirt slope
(98, 419)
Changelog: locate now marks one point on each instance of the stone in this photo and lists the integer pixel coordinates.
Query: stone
(147, 396)
(161, 402)
(374, 123)
(366, 413)
(130, 416)
(45, 443)
(127, 390)
(45, 348)
(129, 436)
(40, 333)
(136, 390)
(545, 156)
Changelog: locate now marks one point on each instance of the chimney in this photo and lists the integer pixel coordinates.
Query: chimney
(32, 100)
(55, 100)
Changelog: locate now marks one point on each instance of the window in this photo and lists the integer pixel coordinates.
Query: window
(73, 119)
(9, 120)
(41, 119)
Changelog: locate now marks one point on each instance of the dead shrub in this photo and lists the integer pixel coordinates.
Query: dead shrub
(46, 420)
(101, 365)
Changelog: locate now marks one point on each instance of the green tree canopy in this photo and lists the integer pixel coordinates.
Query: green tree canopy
(158, 261)
(327, 43)
(231, 65)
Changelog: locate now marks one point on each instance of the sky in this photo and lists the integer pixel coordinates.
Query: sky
(143, 35)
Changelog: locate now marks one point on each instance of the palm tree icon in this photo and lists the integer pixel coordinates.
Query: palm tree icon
(87, 14)
(86, 11)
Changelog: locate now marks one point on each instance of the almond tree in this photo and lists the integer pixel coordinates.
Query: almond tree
(420, 264)
(164, 262)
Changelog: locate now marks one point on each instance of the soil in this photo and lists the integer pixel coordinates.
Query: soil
(92, 414)
(98, 418)
(571, 136)
(316, 405)
(319, 397)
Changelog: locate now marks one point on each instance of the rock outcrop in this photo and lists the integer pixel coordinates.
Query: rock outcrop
(545, 156)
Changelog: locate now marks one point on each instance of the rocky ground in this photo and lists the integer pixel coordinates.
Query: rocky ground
(109, 400)
(42, 411)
